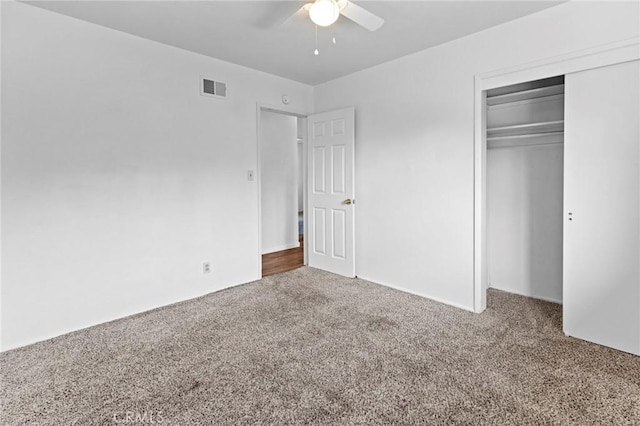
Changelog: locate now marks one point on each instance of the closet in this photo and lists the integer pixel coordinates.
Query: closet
(525, 140)
(563, 197)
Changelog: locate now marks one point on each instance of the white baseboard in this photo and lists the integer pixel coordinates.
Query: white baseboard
(426, 296)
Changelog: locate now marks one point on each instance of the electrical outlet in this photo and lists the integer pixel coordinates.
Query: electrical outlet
(206, 267)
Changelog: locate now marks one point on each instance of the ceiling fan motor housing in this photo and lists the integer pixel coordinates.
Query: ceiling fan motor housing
(324, 12)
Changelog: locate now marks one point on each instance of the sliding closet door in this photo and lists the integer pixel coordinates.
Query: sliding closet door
(601, 206)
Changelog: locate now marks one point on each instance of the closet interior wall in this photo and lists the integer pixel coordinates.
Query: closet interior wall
(525, 136)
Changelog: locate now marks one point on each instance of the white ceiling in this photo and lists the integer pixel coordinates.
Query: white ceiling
(249, 32)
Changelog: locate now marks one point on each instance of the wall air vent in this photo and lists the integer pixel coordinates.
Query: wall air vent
(214, 89)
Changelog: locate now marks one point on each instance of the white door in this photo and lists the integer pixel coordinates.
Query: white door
(601, 282)
(331, 230)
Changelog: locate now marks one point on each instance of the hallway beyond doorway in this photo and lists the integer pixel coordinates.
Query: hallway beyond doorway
(283, 261)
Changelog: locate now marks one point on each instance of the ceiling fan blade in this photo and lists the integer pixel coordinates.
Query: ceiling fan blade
(361, 16)
(301, 13)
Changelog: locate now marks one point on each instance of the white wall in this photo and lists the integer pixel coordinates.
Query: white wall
(118, 178)
(279, 181)
(414, 142)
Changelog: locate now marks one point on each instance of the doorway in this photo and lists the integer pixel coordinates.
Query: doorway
(328, 188)
(281, 148)
(525, 149)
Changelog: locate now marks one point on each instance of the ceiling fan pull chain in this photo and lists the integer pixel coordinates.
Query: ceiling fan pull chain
(316, 52)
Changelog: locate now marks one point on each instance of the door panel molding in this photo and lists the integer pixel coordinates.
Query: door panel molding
(332, 182)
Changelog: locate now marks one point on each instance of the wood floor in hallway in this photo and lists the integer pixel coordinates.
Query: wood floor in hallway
(283, 261)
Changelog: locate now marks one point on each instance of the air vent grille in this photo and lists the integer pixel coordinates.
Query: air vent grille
(213, 88)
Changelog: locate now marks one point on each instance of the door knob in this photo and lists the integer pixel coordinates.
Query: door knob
(347, 201)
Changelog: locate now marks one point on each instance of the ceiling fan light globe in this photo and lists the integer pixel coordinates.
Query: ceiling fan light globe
(324, 12)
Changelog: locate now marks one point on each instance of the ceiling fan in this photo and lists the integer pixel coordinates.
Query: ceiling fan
(325, 12)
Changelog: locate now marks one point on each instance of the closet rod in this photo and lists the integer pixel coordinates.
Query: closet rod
(521, 145)
(525, 136)
(551, 125)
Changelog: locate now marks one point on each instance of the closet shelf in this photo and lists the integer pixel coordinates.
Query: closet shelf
(524, 102)
(526, 95)
(526, 129)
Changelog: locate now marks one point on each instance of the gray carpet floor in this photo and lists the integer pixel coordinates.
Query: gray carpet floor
(309, 347)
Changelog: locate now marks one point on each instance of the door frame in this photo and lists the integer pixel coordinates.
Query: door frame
(608, 54)
(260, 106)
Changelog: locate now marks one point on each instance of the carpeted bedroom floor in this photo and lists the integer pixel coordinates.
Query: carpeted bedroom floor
(309, 347)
